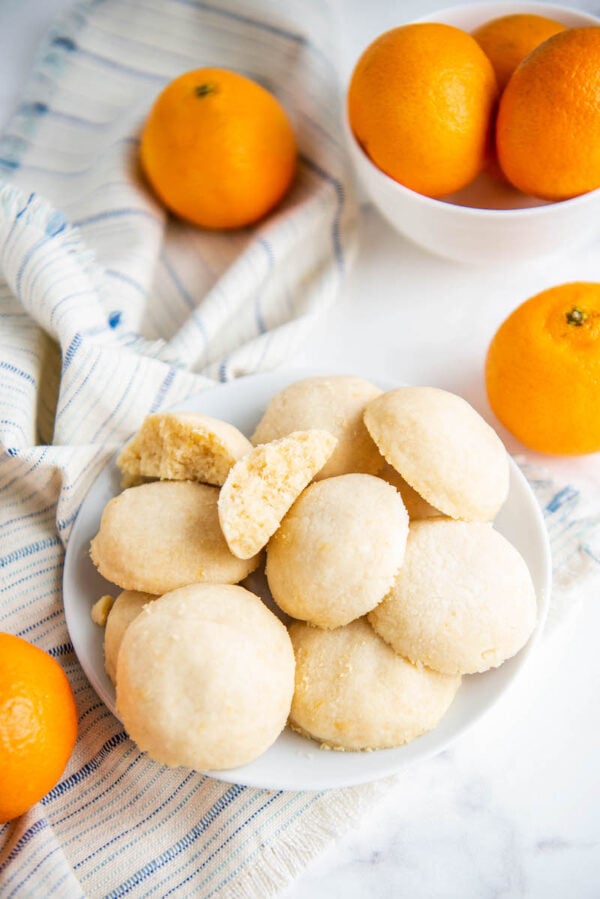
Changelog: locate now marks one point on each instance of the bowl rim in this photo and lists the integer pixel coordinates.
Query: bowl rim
(552, 207)
(509, 7)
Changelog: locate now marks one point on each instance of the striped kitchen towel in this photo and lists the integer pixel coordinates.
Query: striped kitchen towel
(110, 310)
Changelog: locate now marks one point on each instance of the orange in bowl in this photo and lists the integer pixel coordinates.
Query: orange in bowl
(548, 126)
(420, 103)
(507, 40)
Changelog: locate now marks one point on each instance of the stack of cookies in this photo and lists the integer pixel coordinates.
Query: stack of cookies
(372, 513)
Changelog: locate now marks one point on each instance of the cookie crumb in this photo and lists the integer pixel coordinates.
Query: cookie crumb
(101, 609)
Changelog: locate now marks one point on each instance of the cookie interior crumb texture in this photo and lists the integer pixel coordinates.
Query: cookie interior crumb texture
(181, 446)
(261, 487)
(335, 404)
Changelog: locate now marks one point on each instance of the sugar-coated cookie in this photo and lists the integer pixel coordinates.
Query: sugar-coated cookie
(338, 549)
(354, 692)
(334, 403)
(205, 677)
(261, 487)
(126, 607)
(180, 446)
(444, 449)
(163, 535)
(463, 600)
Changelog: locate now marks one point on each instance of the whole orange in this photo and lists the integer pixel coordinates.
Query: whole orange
(420, 104)
(542, 370)
(509, 39)
(218, 148)
(548, 126)
(38, 725)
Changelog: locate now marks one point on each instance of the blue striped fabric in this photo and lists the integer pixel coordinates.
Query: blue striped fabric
(127, 313)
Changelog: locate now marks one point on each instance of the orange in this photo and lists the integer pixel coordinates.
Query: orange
(548, 127)
(38, 725)
(542, 370)
(420, 104)
(218, 149)
(509, 39)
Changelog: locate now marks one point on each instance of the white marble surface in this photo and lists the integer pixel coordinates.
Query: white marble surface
(511, 809)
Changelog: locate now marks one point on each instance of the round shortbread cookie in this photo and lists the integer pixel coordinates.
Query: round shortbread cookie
(337, 551)
(354, 692)
(126, 607)
(463, 600)
(183, 446)
(335, 404)
(205, 677)
(163, 535)
(444, 449)
(262, 486)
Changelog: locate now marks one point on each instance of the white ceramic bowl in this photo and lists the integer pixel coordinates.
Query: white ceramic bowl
(488, 221)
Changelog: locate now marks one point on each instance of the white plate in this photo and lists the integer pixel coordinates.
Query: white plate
(293, 762)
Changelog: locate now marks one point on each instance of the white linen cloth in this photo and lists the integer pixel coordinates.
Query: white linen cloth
(110, 309)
